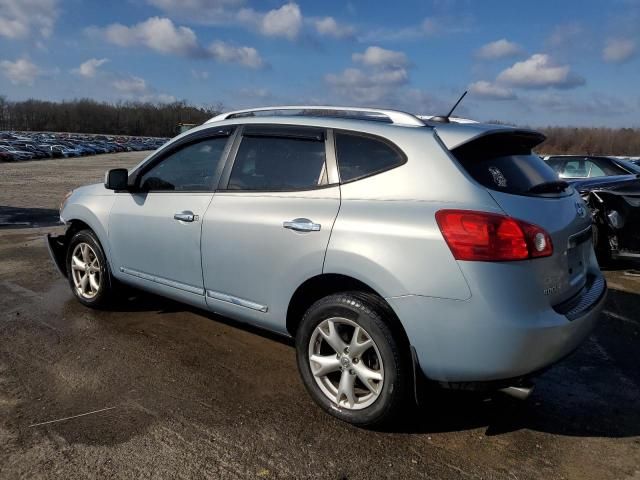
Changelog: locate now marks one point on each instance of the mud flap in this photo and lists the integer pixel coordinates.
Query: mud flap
(57, 246)
(419, 380)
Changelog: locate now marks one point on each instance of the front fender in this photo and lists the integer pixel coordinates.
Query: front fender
(94, 212)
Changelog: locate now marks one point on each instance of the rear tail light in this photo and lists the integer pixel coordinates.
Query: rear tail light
(489, 237)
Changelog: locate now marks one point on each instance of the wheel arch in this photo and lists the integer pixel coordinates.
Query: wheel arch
(84, 219)
(315, 288)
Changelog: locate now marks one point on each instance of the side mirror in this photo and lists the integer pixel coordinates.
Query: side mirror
(117, 179)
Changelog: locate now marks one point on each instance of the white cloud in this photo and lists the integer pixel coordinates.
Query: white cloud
(159, 34)
(89, 68)
(382, 72)
(539, 71)
(618, 50)
(246, 56)
(19, 19)
(491, 91)
(20, 72)
(381, 58)
(131, 85)
(137, 88)
(359, 86)
(502, 48)
(329, 27)
(285, 21)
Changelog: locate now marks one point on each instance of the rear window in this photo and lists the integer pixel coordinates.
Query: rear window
(505, 163)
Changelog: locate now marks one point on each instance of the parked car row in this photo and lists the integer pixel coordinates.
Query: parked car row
(20, 146)
(610, 186)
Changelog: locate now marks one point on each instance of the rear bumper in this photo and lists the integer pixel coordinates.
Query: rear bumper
(470, 341)
(56, 244)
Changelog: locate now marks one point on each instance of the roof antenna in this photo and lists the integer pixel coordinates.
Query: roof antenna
(445, 119)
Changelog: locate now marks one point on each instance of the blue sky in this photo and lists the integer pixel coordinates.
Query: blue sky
(535, 63)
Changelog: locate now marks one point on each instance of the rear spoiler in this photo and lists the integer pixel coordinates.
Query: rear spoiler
(455, 135)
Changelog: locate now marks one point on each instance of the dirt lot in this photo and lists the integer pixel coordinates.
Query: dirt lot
(168, 392)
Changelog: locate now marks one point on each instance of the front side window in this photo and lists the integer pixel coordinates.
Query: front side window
(278, 164)
(360, 156)
(191, 168)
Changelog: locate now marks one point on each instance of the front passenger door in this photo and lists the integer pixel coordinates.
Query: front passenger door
(155, 231)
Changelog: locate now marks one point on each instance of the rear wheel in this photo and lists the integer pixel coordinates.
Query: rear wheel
(350, 360)
(88, 270)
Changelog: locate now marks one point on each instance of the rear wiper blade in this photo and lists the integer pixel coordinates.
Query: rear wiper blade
(556, 186)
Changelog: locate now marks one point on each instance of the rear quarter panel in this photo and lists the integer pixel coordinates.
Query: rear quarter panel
(386, 234)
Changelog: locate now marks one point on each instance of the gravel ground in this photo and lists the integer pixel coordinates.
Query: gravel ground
(156, 389)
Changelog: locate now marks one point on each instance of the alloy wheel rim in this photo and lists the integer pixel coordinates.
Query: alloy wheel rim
(85, 271)
(345, 363)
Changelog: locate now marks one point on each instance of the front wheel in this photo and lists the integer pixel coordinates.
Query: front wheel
(351, 360)
(88, 270)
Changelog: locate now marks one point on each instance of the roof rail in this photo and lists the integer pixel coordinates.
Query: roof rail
(396, 117)
(453, 119)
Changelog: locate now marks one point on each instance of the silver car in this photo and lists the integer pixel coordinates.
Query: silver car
(394, 249)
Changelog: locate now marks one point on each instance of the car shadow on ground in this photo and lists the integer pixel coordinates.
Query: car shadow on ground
(19, 217)
(594, 392)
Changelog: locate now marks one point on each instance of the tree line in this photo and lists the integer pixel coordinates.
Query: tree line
(590, 141)
(90, 116)
(162, 120)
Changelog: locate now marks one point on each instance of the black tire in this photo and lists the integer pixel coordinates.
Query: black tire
(106, 291)
(367, 312)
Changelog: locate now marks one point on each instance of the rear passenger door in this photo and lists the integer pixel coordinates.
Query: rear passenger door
(268, 226)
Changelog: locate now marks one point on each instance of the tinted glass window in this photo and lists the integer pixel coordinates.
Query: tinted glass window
(504, 162)
(192, 168)
(277, 163)
(360, 156)
(589, 167)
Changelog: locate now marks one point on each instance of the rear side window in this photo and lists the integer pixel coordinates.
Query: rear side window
(360, 156)
(278, 164)
(504, 162)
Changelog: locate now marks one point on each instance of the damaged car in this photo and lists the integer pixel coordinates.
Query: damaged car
(615, 210)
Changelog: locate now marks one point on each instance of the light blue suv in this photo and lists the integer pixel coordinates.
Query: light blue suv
(393, 248)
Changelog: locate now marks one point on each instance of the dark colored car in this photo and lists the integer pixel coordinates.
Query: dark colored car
(615, 210)
(583, 167)
(610, 186)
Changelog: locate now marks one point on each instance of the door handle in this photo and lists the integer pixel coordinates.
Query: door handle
(302, 225)
(185, 216)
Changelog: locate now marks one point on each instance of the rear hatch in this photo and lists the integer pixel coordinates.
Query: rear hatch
(526, 188)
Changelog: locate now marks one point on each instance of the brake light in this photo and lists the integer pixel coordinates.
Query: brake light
(490, 237)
